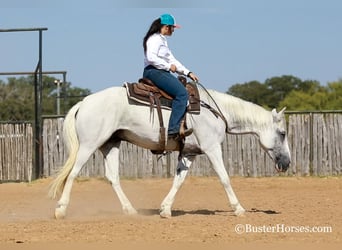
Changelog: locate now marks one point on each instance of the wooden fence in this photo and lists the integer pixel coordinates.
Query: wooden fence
(315, 141)
(16, 146)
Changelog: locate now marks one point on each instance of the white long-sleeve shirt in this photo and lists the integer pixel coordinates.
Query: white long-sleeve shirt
(160, 56)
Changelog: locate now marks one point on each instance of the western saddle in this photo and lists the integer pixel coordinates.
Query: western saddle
(147, 93)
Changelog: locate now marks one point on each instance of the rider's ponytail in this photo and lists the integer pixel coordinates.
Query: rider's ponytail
(154, 28)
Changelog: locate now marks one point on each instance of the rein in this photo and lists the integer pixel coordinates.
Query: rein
(217, 112)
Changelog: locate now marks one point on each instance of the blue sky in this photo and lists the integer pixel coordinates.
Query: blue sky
(99, 43)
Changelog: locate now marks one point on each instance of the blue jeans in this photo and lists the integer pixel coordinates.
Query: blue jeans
(171, 85)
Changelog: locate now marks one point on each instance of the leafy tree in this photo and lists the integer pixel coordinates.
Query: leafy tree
(253, 91)
(17, 97)
(335, 95)
(300, 100)
(316, 98)
(273, 91)
(279, 87)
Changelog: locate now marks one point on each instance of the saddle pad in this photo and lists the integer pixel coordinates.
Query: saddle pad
(143, 95)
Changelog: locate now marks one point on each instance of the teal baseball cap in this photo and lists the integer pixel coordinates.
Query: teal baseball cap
(168, 19)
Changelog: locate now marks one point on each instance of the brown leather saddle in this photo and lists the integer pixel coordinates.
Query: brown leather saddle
(146, 93)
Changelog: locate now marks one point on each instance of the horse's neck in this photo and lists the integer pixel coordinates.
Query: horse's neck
(242, 116)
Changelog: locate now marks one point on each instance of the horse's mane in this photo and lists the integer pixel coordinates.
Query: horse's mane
(238, 110)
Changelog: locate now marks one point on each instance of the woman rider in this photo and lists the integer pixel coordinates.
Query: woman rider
(159, 63)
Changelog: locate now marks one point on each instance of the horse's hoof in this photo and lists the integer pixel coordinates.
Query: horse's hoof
(240, 212)
(129, 211)
(165, 214)
(60, 213)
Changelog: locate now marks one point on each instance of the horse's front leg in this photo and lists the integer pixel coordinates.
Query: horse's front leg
(215, 157)
(182, 170)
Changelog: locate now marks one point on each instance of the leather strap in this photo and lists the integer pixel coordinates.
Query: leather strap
(162, 138)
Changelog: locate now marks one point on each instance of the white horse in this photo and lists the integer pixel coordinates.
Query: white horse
(104, 119)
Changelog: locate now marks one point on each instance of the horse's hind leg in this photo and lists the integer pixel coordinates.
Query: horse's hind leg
(182, 170)
(111, 157)
(82, 156)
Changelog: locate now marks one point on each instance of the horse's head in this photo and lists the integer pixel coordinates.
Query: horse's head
(273, 139)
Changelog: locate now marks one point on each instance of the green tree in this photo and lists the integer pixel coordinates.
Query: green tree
(300, 100)
(273, 91)
(334, 95)
(316, 98)
(253, 91)
(17, 97)
(279, 87)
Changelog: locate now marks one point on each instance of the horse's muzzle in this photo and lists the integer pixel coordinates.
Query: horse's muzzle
(282, 163)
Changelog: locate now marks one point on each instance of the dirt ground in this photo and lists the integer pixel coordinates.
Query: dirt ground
(280, 210)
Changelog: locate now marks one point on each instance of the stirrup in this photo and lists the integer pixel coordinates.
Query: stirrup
(183, 130)
(188, 132)
(181, 135)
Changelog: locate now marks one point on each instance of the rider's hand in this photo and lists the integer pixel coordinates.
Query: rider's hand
(173, 68)
(193, 77)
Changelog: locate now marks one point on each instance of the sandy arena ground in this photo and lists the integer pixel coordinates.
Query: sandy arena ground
(281, 210)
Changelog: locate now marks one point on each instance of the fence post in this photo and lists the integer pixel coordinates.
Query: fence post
(311, 145)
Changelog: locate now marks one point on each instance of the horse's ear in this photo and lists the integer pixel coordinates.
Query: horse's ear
(281, 112)
(274, 112)
(274, 115)
(278, 116)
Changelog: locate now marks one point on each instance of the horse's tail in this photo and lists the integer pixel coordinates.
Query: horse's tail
(72, 146)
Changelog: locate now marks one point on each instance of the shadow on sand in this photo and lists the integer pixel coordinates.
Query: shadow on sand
(175, 213)
(255, 210)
